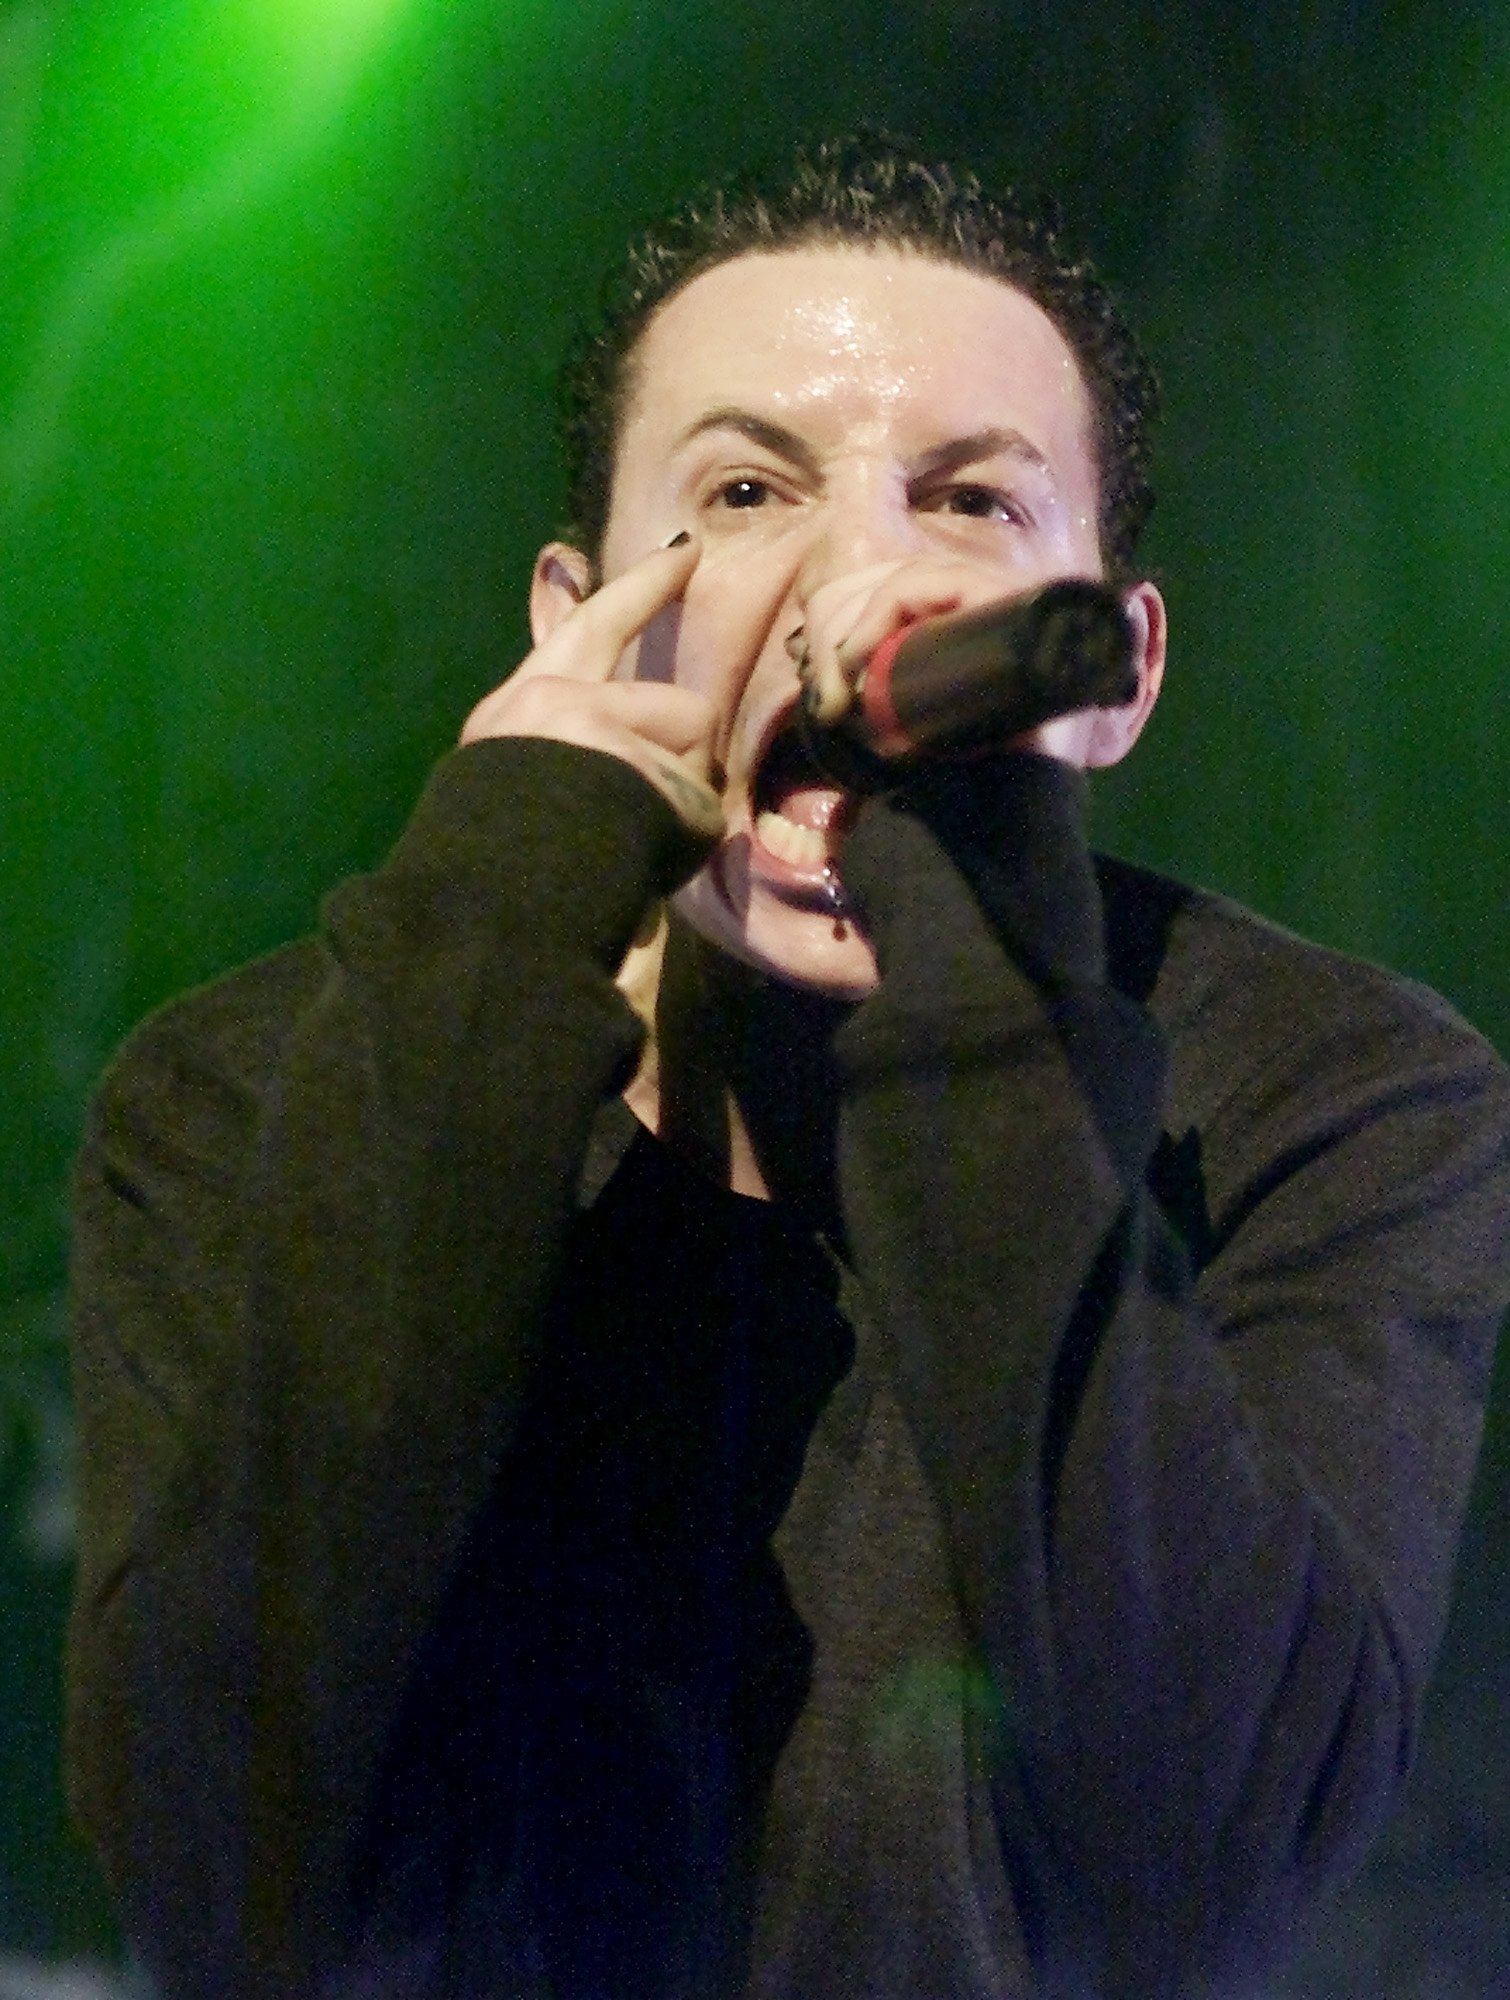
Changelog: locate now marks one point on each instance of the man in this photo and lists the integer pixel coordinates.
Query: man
(724, 1390)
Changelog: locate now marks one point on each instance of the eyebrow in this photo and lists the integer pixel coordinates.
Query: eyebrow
(991, 442)
(759, 430)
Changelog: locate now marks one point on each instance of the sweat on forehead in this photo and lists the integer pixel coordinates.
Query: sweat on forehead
(865, 192)
(821, 301)
(829, 365)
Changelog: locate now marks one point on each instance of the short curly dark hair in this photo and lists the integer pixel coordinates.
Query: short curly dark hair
(866, 190)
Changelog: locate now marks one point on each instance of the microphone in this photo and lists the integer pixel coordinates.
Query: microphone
(974, 680)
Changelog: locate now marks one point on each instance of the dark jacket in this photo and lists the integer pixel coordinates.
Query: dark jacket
(493, 1590)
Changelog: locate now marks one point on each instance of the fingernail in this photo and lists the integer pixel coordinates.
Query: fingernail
(677, 541)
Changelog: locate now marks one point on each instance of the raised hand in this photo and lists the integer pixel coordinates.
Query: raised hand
(570, 689)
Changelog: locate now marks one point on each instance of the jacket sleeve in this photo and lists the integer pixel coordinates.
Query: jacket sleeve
(310, 1262)
(1201, 1520)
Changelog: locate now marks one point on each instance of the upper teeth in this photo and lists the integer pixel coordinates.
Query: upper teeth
(803, 846)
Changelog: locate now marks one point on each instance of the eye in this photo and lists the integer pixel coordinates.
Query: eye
(744, 493)
(980, 503)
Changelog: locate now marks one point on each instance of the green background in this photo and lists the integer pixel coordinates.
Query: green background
(282, 288)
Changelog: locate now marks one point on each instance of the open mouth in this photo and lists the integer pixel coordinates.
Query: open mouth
(799, 814)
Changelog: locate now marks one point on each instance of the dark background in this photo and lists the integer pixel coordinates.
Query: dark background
(282, 288)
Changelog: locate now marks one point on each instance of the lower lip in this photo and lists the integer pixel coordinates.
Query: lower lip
(810, 888)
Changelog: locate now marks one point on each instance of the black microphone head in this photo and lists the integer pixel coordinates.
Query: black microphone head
(975, 679)
(1078, 645)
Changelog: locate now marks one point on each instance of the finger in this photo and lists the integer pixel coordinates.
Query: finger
(835, 608)
(826, 663)
(853, 617)
(902, 601)
(574, 710)
(662, 732)
(678, 719)
(828, 689)
(854, 613)
(588, 644)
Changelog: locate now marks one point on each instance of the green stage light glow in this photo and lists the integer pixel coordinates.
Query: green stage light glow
(324, 39)
(295, 64)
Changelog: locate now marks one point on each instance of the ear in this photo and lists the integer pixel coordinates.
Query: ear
(1114, 731)
(562, 578)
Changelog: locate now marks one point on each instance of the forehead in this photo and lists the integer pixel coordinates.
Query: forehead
(854, 337)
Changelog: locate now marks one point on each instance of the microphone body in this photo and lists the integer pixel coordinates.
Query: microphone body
(972, 681)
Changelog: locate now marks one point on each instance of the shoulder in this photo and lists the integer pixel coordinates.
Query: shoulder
(1318, 1100)
(201, 1064)
(1238, 995)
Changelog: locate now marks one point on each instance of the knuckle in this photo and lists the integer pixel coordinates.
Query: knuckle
(535, 703)
(532, 705)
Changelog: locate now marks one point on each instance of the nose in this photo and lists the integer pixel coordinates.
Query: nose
(864, 520)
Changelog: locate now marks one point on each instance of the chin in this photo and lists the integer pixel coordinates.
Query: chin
(810, 948)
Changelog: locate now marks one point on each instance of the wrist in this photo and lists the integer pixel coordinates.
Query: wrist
(1006, 833)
